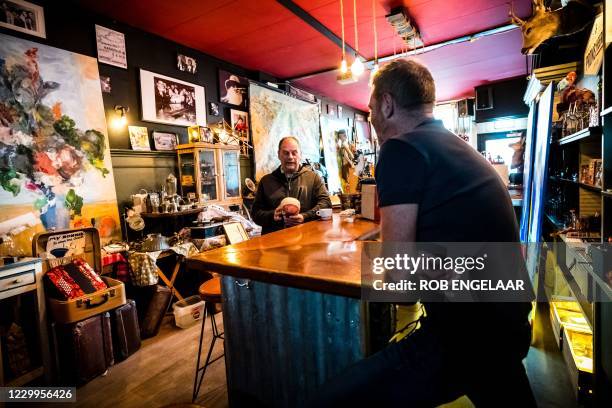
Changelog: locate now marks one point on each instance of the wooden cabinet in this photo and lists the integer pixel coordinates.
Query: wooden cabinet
(211, 172)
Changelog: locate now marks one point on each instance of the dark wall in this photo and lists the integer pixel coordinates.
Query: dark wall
(70, 27)
(507, 100)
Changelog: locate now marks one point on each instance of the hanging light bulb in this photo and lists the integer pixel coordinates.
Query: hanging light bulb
(343, 66)
(357, 67)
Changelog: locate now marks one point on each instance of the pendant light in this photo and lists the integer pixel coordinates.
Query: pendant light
(343, 64)
(357, 67)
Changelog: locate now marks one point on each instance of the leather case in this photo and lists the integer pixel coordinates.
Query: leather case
(155, 311)
(84, 350)
(126, 330)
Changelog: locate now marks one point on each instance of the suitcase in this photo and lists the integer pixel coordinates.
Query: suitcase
(61, 247)
(84, 350)
(155, 311)
(126, 331)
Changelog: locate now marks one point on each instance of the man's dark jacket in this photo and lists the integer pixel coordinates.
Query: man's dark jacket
(305, 185)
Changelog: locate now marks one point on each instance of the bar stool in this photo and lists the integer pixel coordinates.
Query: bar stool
(210, 292)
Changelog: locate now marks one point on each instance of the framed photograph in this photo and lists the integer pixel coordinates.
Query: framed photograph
(171, 101)
(339, 112)
(139, 138)
(233, 89)
(206, 135)
(186, 64)
(23, 16)
(165, 140)
(111, 47)
(239, 120)
(235, 232)
(105, 84)
(331, 109)
(213, 109)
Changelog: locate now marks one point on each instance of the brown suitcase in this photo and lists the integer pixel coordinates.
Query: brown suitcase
(126, 331)
(155, 311)
(84, 350)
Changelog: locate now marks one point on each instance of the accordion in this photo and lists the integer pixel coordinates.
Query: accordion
(73, 280)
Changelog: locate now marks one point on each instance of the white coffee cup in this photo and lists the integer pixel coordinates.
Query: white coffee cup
(325, 213)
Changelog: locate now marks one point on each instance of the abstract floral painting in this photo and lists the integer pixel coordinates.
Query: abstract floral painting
(55, 167)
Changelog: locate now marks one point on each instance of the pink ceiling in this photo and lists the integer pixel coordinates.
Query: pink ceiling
(262, 35)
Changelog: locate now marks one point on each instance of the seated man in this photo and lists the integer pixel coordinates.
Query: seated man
(290, 179)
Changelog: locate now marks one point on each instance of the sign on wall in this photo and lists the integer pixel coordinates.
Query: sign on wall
(593, 54)
(111, 47)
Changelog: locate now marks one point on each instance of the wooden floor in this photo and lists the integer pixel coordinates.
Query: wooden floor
(161, 373)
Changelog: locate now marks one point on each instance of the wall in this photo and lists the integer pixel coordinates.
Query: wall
(70, 27)
(507, 100)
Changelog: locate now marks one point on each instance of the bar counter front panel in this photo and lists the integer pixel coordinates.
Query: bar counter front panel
(292, 314)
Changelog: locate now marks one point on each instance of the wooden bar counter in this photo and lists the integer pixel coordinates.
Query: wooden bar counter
(291, 310)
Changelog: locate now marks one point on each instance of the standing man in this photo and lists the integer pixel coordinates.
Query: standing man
(433, 187)
(290, 179)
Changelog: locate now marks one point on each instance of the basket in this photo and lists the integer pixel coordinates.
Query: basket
(188, 311)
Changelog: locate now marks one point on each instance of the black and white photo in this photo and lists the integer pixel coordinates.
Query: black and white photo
(171, 101)
(105, 84)
(23, 16)
(186, 64)
(165, 140)
(233, 89)
(213, 109)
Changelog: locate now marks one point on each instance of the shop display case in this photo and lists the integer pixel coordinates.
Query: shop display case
(211, 172)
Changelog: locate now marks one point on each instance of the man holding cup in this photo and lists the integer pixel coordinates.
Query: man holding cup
(289, 180)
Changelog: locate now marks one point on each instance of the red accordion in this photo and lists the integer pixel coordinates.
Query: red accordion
(75, 279)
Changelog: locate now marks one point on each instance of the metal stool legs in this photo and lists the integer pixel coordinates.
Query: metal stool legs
(200, 371)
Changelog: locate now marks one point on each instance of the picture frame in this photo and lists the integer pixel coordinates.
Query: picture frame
(206, 135)
(235, 232)
(139, 138)
(213, 109)
(233, 89)
(186, 64)
(110, 45)
(105, 84)
(165, 140)
(331, 109)
(171, 101)
(24, 17)
(339, 112)
(239, 121)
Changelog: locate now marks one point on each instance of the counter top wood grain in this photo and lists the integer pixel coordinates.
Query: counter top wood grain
(324, 256)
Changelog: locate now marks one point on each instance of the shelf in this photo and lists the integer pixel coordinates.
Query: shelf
(577, 183)
(26, 378)
(606, 111)
(142, 153)
(606, 193)
(583, 134)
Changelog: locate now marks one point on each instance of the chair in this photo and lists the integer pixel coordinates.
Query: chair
(210, 292)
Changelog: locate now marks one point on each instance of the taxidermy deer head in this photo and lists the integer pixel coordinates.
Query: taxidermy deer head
(545, 24)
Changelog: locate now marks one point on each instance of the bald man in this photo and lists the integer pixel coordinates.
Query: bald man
(290, 179)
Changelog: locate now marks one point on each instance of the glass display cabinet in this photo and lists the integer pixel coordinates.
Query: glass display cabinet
(211, 171)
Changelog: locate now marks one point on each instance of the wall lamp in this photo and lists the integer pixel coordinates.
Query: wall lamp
(120, 119)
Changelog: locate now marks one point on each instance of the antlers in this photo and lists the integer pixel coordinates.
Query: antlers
(513, 18)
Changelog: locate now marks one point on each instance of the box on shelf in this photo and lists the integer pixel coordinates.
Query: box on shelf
(188, 311)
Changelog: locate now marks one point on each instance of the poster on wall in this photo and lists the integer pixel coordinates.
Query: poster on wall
(329, 135)
(111, 47)
(233, 89)
(171, 101)
(23, 16)
(275, 115)
(55, 166)
(540, 175)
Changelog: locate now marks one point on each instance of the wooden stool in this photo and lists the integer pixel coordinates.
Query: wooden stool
(210, 292)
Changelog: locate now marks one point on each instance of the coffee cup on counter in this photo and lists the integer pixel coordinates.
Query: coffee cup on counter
(325, 213)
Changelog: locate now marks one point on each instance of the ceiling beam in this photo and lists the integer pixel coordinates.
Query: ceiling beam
(317, 25)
